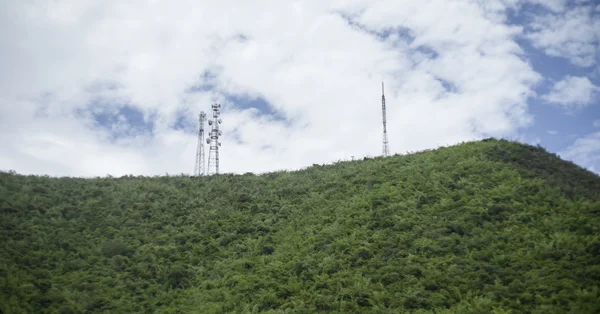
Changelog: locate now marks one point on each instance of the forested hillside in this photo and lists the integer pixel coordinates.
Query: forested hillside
(482, 227)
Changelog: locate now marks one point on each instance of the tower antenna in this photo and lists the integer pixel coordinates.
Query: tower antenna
(386, 150)
(199, 169)
(213, 140)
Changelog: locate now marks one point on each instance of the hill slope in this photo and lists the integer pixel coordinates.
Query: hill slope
(481, 227)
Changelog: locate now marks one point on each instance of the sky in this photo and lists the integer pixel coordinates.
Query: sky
(107, 87)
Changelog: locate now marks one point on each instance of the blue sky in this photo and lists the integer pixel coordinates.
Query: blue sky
(113, 88)
(549, 118)
(555, 127)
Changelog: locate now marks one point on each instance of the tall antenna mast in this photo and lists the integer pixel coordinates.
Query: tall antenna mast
(213, 140)
(199, 167)
(386, 150)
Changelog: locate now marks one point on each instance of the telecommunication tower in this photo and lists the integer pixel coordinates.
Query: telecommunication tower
(213, 140)
(199, 169)
(386, 150)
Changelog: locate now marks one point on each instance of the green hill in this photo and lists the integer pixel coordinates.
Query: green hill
(482, 227)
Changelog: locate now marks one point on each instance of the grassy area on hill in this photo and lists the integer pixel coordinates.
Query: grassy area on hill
(481, 227)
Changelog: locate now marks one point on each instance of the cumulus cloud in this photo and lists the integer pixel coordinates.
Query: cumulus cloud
(453, 72)
(585, 151)
(573, 34)
(572, 92)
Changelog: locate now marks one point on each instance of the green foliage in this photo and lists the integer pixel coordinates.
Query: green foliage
(481, 227)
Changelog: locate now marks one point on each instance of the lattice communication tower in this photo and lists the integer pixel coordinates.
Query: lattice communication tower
(386, 149)
(199, 169)
(213, 140)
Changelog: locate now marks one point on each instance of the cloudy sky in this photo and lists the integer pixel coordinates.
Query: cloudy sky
(90, 88)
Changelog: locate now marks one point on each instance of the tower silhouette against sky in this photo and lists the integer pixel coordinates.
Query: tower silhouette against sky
(386, 149)
(213, 140)
(199, 168)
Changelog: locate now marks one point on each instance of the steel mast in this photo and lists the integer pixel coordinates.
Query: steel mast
(385, 150)
(213, 140)
(199, 169)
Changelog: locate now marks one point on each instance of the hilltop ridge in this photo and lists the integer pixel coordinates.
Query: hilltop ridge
(482, 227)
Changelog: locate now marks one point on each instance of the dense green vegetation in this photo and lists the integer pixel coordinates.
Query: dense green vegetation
(481, 227)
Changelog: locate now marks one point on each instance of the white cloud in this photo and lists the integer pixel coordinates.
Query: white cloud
(585, 151)
(318, 63)
(572, 92)
(573, 34)
(596, 123)
(552, 132)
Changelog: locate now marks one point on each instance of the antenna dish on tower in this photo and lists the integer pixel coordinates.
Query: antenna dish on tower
(213, 140)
